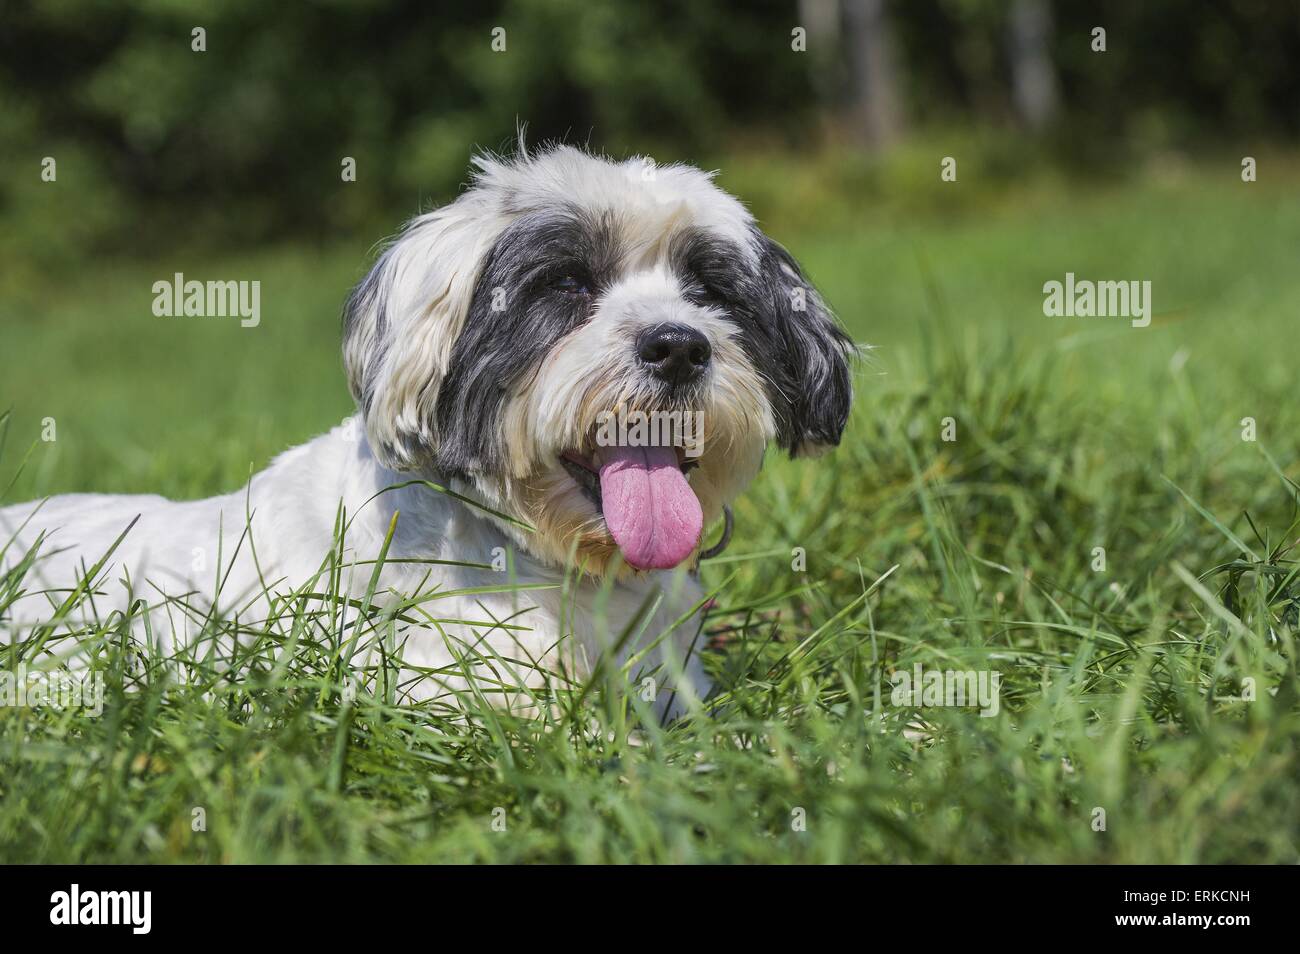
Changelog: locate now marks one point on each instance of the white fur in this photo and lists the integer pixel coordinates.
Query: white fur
(402, 346)
(249, 551)
(293, 505)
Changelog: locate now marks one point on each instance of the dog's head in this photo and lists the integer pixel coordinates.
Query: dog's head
(602, 350)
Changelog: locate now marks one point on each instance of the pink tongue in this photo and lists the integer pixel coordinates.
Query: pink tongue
(650, 509)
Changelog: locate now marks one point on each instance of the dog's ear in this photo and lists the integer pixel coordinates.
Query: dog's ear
(365, 323)
(808, 366)
(399, 326)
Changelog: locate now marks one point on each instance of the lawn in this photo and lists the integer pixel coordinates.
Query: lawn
(1098, 531)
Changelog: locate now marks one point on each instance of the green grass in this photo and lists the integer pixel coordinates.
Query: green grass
(1120, 687)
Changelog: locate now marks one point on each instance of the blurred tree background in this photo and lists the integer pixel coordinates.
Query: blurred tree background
(243, 143)
(830, 119)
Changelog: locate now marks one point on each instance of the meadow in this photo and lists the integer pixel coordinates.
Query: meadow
(1109, 528)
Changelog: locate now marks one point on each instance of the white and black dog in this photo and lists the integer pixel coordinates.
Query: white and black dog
(488, 343)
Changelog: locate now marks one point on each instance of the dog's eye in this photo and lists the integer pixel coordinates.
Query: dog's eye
(570, 285)
(702, 294)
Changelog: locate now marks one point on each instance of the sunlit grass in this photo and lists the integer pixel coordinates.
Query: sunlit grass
(1158, 687)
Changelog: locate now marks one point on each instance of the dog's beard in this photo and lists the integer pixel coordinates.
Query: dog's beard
(645, 505)
(606, 498)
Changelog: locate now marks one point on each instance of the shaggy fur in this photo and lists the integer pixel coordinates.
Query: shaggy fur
(481, 349)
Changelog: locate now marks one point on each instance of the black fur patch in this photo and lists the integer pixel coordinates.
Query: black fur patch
(801, 354)
(516, 317)
(521, 309)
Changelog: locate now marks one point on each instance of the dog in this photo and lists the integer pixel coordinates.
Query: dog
(487, 350)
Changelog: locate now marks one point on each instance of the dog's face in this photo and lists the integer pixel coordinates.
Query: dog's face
(601, 350)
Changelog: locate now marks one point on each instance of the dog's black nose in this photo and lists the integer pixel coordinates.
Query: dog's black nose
(677, 354)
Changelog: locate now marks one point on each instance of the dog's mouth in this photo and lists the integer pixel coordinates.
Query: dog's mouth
(645, 499)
